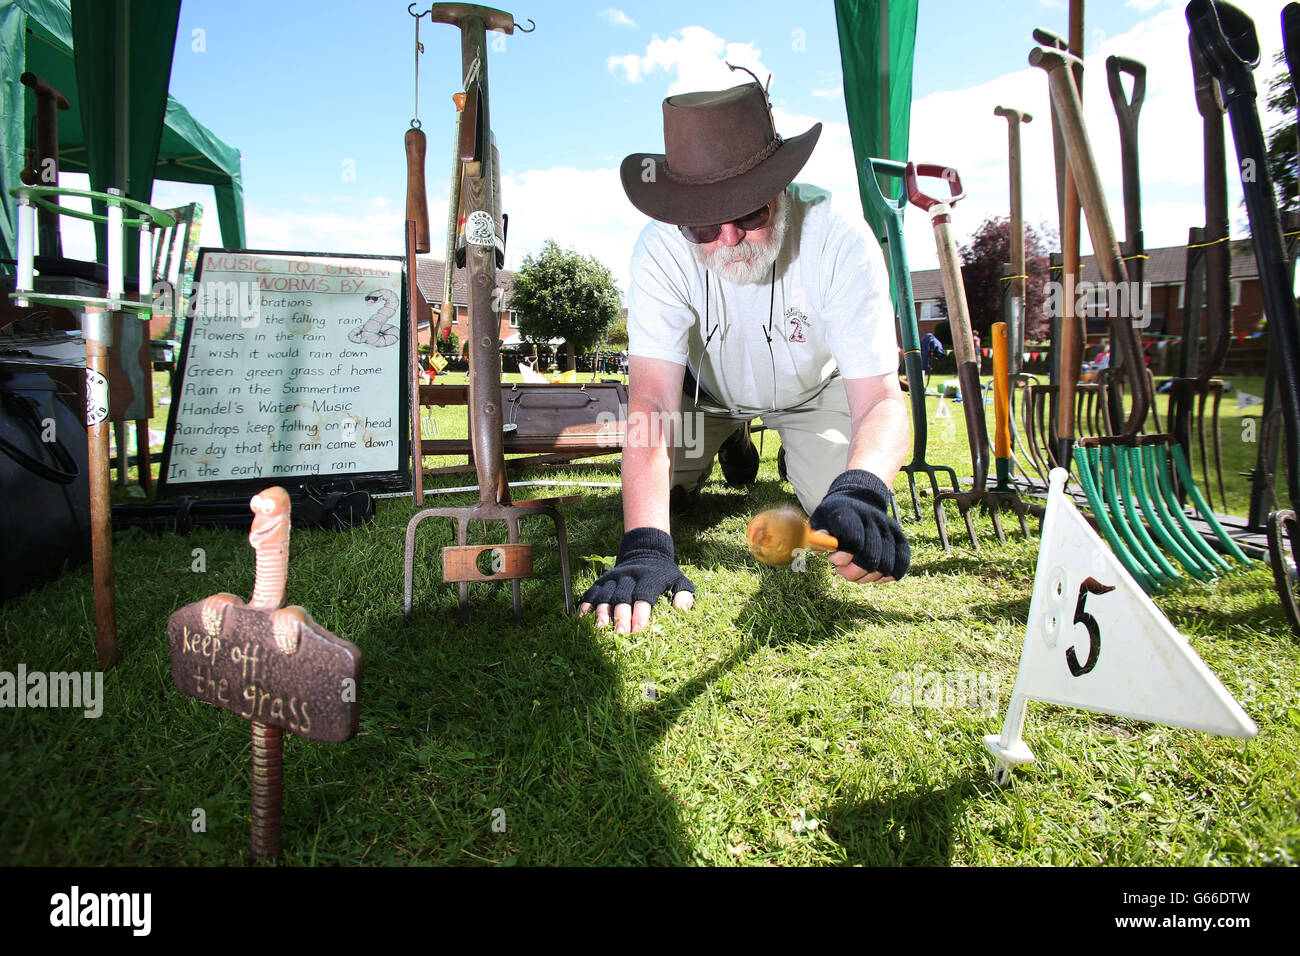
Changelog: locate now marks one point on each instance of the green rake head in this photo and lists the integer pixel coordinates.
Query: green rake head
(1129, 484)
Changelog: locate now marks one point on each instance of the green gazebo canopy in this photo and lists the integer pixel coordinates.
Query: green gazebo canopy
(37, 36)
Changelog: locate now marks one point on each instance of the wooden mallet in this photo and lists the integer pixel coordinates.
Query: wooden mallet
(775, 535)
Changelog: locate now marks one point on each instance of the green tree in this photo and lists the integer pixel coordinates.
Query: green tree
(617, 338)
(561, 294)
(1282, 154)
(981, 270)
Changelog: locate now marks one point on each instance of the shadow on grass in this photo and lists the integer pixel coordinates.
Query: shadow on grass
(524, 727)
(765, 622)
(911, 828)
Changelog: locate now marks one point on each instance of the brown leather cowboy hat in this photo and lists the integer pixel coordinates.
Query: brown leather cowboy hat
(723, 158)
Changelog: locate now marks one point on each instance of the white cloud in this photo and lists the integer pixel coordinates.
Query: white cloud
(833, 93)
(583, 209)
(957, 128)
(616, 17)
(694, 58)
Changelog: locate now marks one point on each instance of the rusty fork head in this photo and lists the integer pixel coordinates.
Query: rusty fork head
(990, 499)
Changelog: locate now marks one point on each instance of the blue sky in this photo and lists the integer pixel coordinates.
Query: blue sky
(318, 96)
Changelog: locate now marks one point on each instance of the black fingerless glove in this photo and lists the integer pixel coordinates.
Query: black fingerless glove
(855, 511)
(645, 571)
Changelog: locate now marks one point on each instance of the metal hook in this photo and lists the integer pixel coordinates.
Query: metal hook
(519, 28)
(411, 10)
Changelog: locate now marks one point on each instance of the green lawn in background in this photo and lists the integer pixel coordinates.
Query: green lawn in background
(787, 719)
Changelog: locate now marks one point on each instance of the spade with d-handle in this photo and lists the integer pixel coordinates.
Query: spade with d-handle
(1229, 45)
(891, 213)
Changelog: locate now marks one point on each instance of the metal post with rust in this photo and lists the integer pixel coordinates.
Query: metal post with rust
(97, 325)
(270, 541)
(49, 102)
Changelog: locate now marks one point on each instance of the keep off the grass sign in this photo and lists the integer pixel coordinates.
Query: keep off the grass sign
(238, 666)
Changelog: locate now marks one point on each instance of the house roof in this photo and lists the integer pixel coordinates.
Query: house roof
(1164, 266)
(431, 278)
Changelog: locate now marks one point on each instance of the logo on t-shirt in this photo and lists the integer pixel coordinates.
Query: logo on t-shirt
(797, 321)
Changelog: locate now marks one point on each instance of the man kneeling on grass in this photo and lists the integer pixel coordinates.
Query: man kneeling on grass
(749, 297)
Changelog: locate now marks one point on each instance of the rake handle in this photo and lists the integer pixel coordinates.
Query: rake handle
(1014, 118)
(963, 341)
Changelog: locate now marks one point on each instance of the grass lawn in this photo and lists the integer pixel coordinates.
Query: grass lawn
(762, 727)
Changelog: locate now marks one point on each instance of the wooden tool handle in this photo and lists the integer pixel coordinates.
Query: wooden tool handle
(417, 203)
(821, 541)
(1001, 394)
(954, 292)
(1083, 168)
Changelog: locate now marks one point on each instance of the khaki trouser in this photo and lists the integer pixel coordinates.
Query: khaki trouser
(815, 436)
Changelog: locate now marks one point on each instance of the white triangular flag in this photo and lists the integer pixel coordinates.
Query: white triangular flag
(942, 410)
(1245, 401)
(1094, 640)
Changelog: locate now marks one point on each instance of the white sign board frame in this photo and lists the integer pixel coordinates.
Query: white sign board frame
(293, 371)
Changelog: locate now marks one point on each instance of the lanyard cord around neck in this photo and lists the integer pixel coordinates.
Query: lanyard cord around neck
(767, 333)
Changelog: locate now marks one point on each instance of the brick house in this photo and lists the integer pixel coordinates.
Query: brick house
(1166, 270)
(430, 280)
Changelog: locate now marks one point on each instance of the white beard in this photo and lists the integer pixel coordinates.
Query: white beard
(748, 263)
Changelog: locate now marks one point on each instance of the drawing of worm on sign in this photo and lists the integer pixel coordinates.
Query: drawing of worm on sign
(379, 331)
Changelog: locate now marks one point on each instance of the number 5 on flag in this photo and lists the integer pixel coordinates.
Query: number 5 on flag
(1116, 654)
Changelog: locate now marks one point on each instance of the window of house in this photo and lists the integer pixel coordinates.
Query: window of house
(931, 311)
(514, 320)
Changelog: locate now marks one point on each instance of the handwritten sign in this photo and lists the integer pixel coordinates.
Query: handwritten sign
(236, 663)
(291, 369)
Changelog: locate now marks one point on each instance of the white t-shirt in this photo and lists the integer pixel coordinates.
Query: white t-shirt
(830, 307)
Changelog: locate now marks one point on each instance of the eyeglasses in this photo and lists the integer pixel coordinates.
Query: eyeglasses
(754, 220)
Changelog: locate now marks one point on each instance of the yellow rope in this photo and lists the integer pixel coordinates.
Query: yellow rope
(1005, 278)
(1202, 245)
